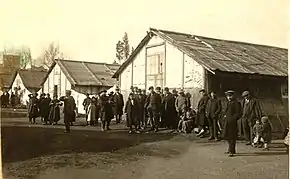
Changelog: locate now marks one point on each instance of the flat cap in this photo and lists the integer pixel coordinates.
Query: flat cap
(202, 90)
(166, 89)
(230, 92)
(151, 88)
(245, 93)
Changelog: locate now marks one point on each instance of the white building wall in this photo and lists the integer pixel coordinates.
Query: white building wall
(63, 85)
(194, 74)
(23, 92)
(139, 70)
(181, 70)
(174, 60)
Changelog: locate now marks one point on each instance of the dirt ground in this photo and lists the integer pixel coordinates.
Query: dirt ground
(45, 152)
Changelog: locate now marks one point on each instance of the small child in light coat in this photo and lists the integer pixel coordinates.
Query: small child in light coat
(258, 132)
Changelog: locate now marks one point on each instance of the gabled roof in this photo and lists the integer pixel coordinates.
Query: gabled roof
(86, 73)
(31, 79)
(222, 55)
(6, 80)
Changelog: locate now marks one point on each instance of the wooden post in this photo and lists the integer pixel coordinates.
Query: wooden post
(164, 82)
(132, 81)
(146, 69)
(182, 78)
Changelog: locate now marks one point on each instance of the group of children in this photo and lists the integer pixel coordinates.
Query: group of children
(262, 133)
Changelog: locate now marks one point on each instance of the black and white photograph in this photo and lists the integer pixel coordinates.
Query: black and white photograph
(137, 89)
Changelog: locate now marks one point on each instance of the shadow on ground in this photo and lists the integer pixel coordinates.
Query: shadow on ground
(22, 143)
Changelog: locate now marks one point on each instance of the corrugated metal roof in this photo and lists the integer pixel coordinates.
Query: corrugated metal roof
(230, 56)
(222, 55)
(88, 73)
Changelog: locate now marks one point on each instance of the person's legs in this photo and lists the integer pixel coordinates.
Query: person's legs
(67, 123)
(211, 128)
(246, 130)
(215, 128)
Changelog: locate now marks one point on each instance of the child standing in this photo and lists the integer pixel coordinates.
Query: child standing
(267, 132)
(131, 111)
(258, 131)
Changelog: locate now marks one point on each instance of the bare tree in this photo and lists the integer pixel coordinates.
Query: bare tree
(50, 54)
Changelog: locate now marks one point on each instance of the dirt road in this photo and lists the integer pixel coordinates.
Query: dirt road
(87, 154)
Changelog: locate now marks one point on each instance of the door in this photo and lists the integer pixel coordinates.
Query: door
(155, 70)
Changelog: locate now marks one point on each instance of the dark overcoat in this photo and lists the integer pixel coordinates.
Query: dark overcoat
(132, 111)
(118, 104)
(252, 111)
(201, 118)
(231, 116)
(140, 99)
(33, 110)
(54, 114)
(106, 112)
(213, 108)
(69, 108)
(44, 106)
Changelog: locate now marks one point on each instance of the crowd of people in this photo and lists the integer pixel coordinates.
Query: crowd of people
(145, 112)
(8, 100)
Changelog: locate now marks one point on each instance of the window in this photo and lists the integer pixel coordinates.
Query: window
(153, 64)
(284, 90)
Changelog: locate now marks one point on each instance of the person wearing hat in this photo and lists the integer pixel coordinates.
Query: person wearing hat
(169, 109)
(146, 115)
(153, 104)
(202, 121)
(231, 115)
(42, 107)
(140, 99)
(251, 110)
(212, 111)
(118, 105)
(69, 110)
(86, 104)
(33, 110)
(54, 113)
(181, 103)
(132, 113)
(106, 113)
(161, 120)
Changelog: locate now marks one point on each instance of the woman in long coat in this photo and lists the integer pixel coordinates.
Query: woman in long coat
(33, 110)
(54, 114)
(232, 114)
(92, 112)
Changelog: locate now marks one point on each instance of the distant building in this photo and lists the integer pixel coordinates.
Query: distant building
(26, 82)
(80, 78)
(178, 60)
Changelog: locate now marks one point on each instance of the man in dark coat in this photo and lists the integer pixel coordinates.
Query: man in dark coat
(69, 110)
(105, 111)
(169, 109)
(201, 118)
(232, 114)
(42, 107)
(153, 104)
(13, 100)
(251, 111)
(118, 105)
(161, 119)
(33, 110)
(140, 99)
(146, 115)
(132, 113)
(86, 104)
(213, 109)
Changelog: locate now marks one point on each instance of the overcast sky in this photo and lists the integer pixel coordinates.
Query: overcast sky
(88, 30)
